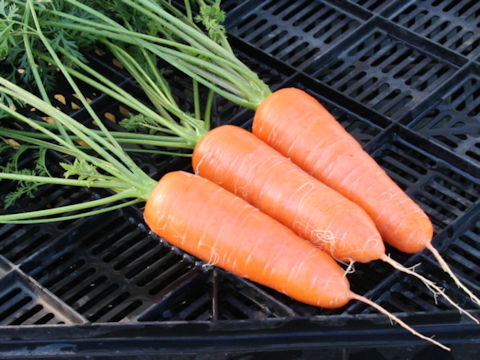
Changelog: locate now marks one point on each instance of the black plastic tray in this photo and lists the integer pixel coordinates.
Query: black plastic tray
(403, 77)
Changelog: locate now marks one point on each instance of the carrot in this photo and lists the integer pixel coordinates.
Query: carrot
(241, 163)
(211, 223)
(291, 113)
(210, 63)
(246, 166)
(299, 127)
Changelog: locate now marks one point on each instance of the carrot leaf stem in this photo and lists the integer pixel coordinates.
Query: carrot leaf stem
(132, 177)
(74, 216)
(221, 62)
(125, 194)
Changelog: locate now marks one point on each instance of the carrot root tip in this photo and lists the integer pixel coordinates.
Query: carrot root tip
(394, 318)
(445, 267)
(434, 288)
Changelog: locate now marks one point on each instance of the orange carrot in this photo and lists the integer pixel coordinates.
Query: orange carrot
(211, 223)
(299, 127)
(241, 163)
(246, 166)
(214, 225)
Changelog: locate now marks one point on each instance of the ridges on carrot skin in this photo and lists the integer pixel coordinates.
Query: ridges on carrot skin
(235, 159)
(277, 257)
(396, 230)
(332, 155)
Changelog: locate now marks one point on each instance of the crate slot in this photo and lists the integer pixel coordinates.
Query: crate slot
(463, 253)
(381, 71)
(452, 121)
(189, 294)
(453, 25)
(235, 298)
(296, 32)
(108, 267)
(162, 277)
(23, 302)
(229, 5)
(240, 299)
(70, 279)
(17, 242)
(442, 190)
(33, 315)
(376, 6)
(403, 293)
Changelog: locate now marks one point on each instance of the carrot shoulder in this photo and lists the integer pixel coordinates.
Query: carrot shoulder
(299, 127)
(246, 166)
(218, 227)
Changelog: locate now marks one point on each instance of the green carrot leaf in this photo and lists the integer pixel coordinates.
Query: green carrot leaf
(211, 17)
(23, 188)
(81, 168)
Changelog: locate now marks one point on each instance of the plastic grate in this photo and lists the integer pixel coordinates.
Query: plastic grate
(452, 24)
(404, 294)
(296, 33)
(19, 242)
(364, 128)
(215, 295)
(191, 300)
(109, 271)
(357, 58)
(463, 254)
(376, 6)
(241, 299)
(441, 190)
(453, 122)
(23, 302)
(229, 5)
(382, 72)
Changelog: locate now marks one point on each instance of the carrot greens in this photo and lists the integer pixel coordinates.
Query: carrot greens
(107, 167)
(181, 43)
(51, 47)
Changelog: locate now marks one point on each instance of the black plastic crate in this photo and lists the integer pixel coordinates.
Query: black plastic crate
(375, 6)
(452, 122)
(25, 302)
(407, 95)
(296, 33)
(386, 69)
(452, 24)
